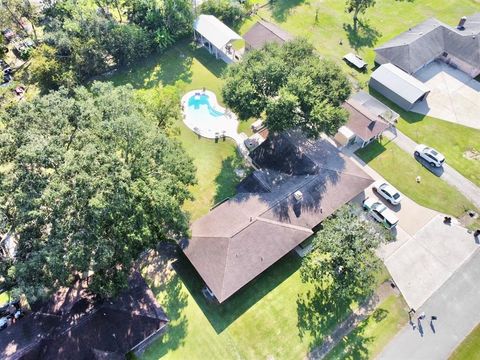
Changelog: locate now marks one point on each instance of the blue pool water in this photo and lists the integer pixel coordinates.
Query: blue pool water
(196, 101)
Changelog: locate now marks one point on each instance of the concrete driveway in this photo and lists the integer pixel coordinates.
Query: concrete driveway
(426, 252)
(453, 96)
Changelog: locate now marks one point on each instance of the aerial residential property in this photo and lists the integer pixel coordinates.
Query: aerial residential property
(225, 179)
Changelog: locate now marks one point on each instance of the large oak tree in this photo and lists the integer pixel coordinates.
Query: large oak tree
(291, 85)
(88, 182)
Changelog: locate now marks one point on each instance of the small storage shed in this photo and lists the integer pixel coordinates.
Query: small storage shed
(398, 86)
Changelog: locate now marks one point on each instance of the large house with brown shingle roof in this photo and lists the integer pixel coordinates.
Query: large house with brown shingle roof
(301, 182)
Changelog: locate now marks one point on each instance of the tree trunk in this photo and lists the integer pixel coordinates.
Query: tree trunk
(14, 17)
(118, 10)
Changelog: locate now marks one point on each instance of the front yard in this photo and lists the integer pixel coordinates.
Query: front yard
(469, 349)
(401, 170)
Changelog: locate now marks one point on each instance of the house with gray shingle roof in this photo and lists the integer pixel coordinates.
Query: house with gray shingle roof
(433, 40)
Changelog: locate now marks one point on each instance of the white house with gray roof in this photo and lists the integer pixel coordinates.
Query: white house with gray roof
(433, 40)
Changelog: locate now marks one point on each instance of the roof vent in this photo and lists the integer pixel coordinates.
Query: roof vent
(461, 23)
(298, 196)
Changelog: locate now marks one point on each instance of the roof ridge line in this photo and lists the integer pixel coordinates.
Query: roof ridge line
(290, 226)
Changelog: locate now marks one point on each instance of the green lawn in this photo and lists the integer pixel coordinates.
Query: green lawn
(401, 170)
(469, 349)
(451, 139)
(329, 27)
(272, 317)
(188, 68)
(372, 334)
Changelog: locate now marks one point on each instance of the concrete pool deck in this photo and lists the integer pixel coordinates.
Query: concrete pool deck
(209, 120)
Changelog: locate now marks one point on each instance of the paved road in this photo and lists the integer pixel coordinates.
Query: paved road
(457, 306)
(450, 175)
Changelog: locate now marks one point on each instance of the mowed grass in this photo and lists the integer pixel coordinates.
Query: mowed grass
(258, 322)
(469, 349)
(453, 140)
(329, 26)
(401, 170)
(372, 334)
(187, 68)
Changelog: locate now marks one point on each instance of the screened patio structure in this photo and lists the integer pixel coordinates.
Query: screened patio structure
(216, 37)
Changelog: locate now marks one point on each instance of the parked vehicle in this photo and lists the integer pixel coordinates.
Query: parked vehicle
(380, 213)
(388, 192)
(432, 156)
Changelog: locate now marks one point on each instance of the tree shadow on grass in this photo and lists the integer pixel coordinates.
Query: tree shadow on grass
(356, 344)
(223, 315)
(158, 69)
(226, 181)
(371, 151)
(364, 36)
(281, 8)
(319, 311)
(167, 287)
(215, 66)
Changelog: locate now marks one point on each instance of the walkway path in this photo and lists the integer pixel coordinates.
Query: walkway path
(456, 305)
(449, 174)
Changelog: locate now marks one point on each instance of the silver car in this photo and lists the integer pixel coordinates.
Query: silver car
(380, 213)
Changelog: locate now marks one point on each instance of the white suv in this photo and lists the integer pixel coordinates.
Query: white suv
(432, 156)
(388, 192)
(380, 213)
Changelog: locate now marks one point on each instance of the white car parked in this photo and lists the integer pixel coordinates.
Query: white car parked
(388, 192)
(380, 213)
(432, 156)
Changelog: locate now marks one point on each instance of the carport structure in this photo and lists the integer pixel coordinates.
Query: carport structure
(216, 37)
(398, 86)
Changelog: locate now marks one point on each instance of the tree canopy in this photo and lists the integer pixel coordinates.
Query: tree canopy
(358, 7)
(231, 13)
(81, 42)
(343, 256)
(291, 86)
(88, 182)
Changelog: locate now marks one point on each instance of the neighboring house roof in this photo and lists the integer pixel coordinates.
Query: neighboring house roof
(75, 326)
(263, 32)
(367, 116)
(427, 41)
(216, 32)
(239, 239)
(374, 106)
(399, 82)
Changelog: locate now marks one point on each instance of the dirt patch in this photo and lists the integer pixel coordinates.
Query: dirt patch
(472, 154)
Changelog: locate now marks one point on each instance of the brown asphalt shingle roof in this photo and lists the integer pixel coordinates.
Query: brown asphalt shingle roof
(263, 32)
(362, 122)
(75, 326)
(242, 237)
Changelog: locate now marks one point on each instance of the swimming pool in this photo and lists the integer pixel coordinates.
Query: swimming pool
(197, 100)
(203, 115)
